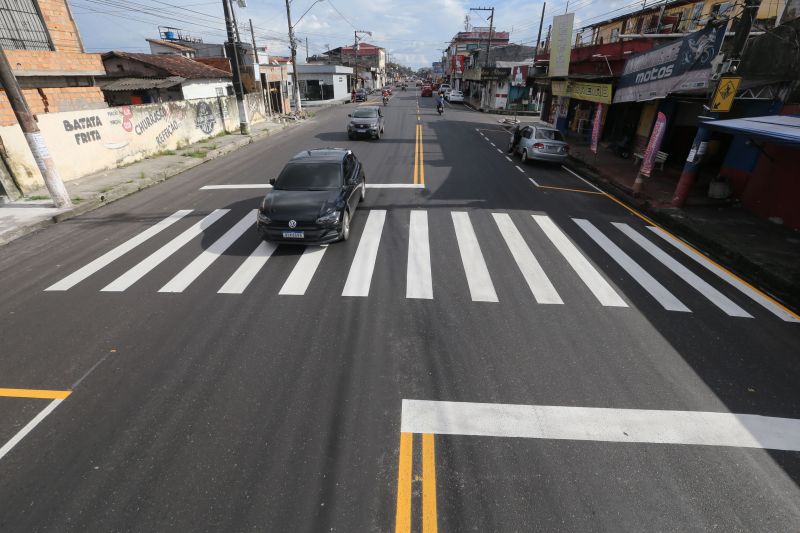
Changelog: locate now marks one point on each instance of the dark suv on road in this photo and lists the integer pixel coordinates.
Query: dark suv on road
(361, 95)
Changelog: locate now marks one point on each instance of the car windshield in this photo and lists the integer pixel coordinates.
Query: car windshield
(365, 113)
(310, 177)
(549, 135)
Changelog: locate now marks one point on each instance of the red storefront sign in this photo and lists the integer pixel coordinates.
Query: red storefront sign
(654, 145)
(457, 64)
(598, 116)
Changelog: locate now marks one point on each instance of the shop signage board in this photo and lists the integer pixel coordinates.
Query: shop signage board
(684, 65)
(519, 75)
(654, 145)
(725, 93)
(598, 117)
(561, 44)
(581, 90)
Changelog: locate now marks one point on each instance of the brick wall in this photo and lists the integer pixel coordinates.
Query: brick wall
(62, 28)
(34, 62)
(53, 100)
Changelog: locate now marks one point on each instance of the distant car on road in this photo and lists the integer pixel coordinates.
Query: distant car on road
(454, 95)
(541, 143)
(445, 88)
(366, 120)
(361, 95)
(426, 90)
(314, 198)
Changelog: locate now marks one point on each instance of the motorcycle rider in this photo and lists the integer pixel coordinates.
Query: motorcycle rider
(440, 102)
(385, 96)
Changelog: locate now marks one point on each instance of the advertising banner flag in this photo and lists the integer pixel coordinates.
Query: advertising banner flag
(598, 116)
(654, 144)
(561, 44)
(684, 65)
(519, 75)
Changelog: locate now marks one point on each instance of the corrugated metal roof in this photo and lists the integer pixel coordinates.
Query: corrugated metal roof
(778, 129)
(138, 84)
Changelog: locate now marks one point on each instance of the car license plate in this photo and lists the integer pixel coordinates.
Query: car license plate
(552, 149)
(294, 235)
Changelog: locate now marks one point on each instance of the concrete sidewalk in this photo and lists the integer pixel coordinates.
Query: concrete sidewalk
(36, 211)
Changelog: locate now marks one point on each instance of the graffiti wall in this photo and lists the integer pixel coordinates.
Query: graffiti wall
(84, 142)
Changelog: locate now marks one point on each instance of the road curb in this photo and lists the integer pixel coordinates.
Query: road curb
(126, 189)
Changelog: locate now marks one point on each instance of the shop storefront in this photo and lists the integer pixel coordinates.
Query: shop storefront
(575, 104)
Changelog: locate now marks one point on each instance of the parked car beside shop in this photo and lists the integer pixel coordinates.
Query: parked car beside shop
(454, 96)
(541, 143)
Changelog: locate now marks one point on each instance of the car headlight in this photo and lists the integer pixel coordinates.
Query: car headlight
(373, 126)
(264, 219)
(330, 217)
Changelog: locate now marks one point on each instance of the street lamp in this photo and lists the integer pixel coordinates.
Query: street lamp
(293, 47)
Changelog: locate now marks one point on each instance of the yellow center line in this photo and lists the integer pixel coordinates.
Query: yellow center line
(570, 190)
(35, 393)
(429, 520)
(402, 521)
(416, 155)
(421, 159)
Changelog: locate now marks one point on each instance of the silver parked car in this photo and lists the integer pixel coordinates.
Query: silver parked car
(366, 120)
(541, 143)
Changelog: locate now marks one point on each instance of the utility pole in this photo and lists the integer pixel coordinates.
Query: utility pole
(690, 168)
(491, 30)
(257, 71)
(30, 129)
(244, 124)
(355, 51)
(306, 49)
(293, 47)
(539, 36)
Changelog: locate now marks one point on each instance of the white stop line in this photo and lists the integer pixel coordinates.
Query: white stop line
(600, 424)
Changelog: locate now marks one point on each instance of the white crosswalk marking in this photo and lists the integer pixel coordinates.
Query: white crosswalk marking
(480, 283)
(297, 282)
(360, 276)
(596, 283)
(83, 273)
(156, 258)
(540, 285)
(648, 282)
(248, 270)
(716, 297)
(756, 296)
(419, 282)
(192, 271)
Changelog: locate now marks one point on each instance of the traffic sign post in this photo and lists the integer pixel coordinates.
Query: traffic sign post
(725, 93)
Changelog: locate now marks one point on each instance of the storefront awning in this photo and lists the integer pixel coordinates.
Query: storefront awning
(776, 129)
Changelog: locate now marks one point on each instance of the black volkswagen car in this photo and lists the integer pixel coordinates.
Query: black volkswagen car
(314, 198)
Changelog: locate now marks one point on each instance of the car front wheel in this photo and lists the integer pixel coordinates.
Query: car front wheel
(363, 190)
(525, 156)
(345, 226)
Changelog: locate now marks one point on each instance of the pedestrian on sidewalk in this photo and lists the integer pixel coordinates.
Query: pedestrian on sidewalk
(353, 96)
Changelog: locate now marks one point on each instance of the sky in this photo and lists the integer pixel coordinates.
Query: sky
(414, 32)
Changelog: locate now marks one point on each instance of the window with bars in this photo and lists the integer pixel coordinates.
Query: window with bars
(22, 26)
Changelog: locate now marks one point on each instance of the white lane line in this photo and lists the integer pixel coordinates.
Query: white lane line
(596, 283)
(297, 282)
(534, 181)
(8, 446)
(395, 186)
(139, 270)
(600, 424)
(499, 151)
(480, 282)
(419, 282)
(236, 186)
(83, 273)
(716, 297)
(192, 271)
(592, 185)
(492, 144)
(532, 271)
(360, 275)
(248, 270)
(520, 169)
(753, 294)
(508, 159)
(667, 300)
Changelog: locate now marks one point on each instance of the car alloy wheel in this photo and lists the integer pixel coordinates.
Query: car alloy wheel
(525, 156)
(345, 226)
(363, 190)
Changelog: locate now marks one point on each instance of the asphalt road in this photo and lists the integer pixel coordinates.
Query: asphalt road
(206, 411)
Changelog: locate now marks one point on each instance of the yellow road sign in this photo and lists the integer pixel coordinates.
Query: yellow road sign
(723, 96)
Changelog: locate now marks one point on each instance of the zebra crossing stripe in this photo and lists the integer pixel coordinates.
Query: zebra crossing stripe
(480, 282)
(532, 271)
(159, 256)
(360, 277)
(83, 273)
(248, 270)
(297, 282)
(716, 297)
(753, 294)
(667, 300)
(192, 271)
(596, 283)
(419, 282)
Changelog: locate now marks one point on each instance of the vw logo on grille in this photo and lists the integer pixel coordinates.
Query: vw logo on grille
(292, 223)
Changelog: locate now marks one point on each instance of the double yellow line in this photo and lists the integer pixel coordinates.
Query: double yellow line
(419, 158)
(404, 480)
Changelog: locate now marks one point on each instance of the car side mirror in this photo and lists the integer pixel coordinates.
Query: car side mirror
(272, 181)
(349, 114)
